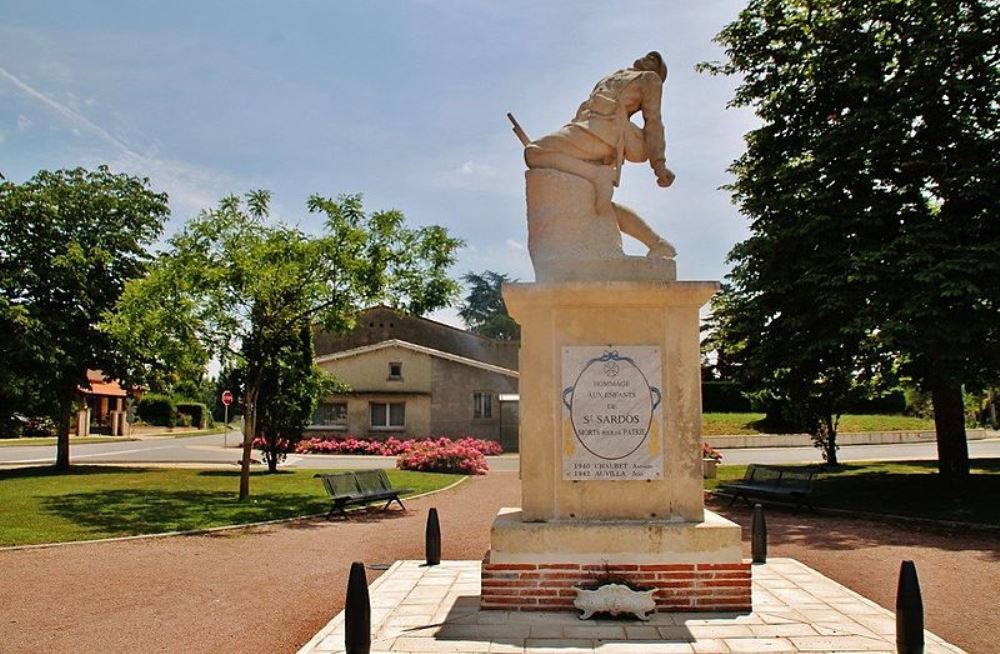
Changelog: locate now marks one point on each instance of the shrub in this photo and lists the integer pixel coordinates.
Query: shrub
(436, 456)
(159, 410)
(196, 413)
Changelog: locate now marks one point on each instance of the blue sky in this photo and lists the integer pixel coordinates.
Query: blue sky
(404, 102)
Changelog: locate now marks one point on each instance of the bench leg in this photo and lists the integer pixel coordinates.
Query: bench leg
(391, 500)
(338, 507)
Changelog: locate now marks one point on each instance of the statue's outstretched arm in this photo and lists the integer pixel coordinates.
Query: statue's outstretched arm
(654, 140)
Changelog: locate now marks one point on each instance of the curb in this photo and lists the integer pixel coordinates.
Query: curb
(209, 530)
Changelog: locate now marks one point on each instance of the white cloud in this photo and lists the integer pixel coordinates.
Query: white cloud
(511, 243)
(477, 176)
(190, 188)
(472, 168)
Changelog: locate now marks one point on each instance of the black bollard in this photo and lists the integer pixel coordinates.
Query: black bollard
(357, 612)
(433, 538)
(758, 535)
(909, 611)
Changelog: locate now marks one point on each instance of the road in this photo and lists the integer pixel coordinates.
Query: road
(210, 450)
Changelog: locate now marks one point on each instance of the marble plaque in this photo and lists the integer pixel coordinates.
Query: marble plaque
(612, 416)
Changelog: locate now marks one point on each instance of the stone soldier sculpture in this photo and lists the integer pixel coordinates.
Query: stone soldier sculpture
(601, 137)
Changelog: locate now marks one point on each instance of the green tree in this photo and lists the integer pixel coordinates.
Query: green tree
(290, 386)
(69, 242)
(484, 311)
(233, 283)
(872, 190)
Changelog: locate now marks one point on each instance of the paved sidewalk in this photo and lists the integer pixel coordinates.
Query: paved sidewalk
(796, 609)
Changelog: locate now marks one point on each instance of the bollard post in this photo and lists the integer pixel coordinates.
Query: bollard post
(433, 538)
(758, 535)
(909, 611)
(357, 612)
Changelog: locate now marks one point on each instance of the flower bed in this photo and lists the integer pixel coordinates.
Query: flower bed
(391, 446)
(465, 456)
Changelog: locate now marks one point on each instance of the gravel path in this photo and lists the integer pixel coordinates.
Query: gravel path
(270, 589)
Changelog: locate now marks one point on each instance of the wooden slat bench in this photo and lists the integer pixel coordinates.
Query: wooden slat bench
(770, 482)
(359, 488)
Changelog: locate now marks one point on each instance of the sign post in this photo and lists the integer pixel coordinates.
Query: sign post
(227, 399)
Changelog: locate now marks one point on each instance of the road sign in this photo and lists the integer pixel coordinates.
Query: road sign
(227, 398)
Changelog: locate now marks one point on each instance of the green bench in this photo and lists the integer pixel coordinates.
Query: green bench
(769, 482)
(359, 488)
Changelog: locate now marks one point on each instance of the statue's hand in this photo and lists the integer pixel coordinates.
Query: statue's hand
(665, 177)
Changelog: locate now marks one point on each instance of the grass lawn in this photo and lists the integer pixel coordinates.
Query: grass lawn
(90, 502)
(906, 488)
(723, 424)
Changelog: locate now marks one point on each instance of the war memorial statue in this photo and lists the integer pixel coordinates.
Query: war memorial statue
(610, 384)
(567, 220)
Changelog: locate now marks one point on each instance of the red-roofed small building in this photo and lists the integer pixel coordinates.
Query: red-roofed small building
(104, 408)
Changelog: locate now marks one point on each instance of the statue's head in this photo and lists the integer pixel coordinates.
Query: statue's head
(652, 61)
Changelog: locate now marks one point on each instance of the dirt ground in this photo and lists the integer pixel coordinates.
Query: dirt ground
(270, 589)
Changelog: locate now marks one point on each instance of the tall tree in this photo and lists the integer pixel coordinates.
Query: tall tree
(872, 188)
(291, 385)
(69, 242)
(484, 310)
(233, 283)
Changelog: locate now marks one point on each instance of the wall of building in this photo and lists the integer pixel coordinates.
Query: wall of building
(452, 408)
(369, 371)
(368, 376)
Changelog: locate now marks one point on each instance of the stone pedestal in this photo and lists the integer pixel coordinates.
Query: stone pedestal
(569, 241)
(611, 458)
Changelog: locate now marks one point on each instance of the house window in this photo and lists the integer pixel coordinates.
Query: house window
(387, 415)
(330, 414)
(482, 405)
(396, 370)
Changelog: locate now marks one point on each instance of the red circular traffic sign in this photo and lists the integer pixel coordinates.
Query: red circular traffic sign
(227, 398)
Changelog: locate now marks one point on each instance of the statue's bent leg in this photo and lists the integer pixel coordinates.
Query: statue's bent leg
(539, 155)
(630, 223)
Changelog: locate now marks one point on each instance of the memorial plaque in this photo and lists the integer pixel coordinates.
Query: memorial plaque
(612, 418)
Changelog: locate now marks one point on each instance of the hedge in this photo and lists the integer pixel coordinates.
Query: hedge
(156, 409)
(196, 414)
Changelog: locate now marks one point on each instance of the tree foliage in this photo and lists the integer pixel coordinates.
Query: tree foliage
(872, 190)
(69, 242)
(235, 284)
(484, 311)
(291, 384)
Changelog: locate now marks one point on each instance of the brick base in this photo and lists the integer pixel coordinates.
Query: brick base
(679, 586)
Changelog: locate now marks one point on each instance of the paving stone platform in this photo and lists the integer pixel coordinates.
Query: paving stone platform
(795, 609)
